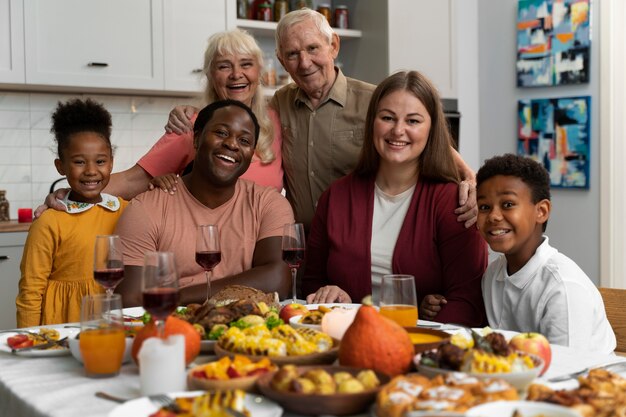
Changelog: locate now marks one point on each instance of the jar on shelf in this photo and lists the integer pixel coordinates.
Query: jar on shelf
(269, 74)
(281, 8)
(5, 215)
(242, 9)
(324, 9)
(299, 4)
(341, 17)
(264, 12)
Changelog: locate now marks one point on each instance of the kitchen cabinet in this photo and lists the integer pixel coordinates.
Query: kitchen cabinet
(187, 26)
(11, 248)
(94, 43)
(11, 41)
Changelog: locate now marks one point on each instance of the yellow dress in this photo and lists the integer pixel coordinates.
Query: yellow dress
(57, 264)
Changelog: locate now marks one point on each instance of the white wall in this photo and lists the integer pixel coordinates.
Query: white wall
(28, 150)
(574, 224)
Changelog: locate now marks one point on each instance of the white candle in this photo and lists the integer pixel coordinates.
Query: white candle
(162, 365)
(336, 322)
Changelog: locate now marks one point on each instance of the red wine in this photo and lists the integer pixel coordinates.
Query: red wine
(109, 278)
(160, 302)
(208, 260)
(293, 257)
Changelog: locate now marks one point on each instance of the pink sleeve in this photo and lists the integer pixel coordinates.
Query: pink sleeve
(169, 155)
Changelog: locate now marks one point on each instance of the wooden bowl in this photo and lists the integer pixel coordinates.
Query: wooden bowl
(320, 358)
(426, 339)
(245, 383)
(318, 404)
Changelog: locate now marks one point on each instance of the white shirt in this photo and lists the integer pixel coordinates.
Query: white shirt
(550, 295)
(389, 214)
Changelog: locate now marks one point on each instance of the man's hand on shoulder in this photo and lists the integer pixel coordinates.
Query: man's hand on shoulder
(51, 202)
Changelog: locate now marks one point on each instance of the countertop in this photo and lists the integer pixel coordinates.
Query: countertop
(14, 226)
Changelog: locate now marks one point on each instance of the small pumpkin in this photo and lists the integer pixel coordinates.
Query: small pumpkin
(375, 342)
(173, 325)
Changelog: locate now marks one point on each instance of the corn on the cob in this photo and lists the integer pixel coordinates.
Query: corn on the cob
(286, 333)
(214, 404)
(488, 363)
(258, 330)
(231, 338)
(322, 341)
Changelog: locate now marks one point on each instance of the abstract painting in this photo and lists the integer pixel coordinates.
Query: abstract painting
(553, 42)
(556, 133)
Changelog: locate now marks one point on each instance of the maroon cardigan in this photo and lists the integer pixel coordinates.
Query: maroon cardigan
(444, 256)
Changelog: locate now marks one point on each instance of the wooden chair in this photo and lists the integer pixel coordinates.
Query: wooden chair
(615, 306)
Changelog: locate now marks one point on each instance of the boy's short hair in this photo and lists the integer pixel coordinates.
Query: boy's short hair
(528, 170)
(531, 172)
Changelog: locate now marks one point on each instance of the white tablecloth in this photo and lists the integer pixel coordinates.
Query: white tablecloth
(57, 387)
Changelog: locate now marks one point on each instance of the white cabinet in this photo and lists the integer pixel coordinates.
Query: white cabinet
(94, 43)
(187, 26)
(11, 41)
(11, 248)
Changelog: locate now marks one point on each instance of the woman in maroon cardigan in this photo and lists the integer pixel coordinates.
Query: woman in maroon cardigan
(395, 212)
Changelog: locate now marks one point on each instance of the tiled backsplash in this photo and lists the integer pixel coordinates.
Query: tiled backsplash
(28, 150)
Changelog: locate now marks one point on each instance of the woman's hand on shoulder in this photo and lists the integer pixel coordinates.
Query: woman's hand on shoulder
(431, 306)
(328, 294)
(167, 183)
(51, 202)
(468, 210)
(179, 120)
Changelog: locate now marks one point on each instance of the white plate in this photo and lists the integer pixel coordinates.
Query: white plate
(526, 408)
(330, 305)
(37, 353)
(133, 312)
(143, 407)
(294, 321)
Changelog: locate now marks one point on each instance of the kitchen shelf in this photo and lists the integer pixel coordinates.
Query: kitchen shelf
(261, 28)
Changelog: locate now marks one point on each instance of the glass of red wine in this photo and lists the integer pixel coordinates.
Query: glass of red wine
(108, 262)
(293, 251)
(159, 287)
(208, 253)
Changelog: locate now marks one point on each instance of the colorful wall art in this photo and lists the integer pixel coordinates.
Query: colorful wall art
(553, 42)
(556, 132)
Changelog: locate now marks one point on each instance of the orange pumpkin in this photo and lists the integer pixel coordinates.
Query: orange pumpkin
(173, 325)
(375, 342)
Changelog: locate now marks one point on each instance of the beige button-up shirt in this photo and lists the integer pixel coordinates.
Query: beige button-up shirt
(320, 144)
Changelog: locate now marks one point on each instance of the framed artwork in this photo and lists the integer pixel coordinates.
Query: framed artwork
(556, 132)
(553, 42)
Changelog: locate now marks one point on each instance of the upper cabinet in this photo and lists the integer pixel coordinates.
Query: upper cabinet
(187, 26)
(94, 43)
(11, 41)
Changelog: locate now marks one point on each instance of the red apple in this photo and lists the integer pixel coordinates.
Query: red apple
(535, 344)
(290, 310)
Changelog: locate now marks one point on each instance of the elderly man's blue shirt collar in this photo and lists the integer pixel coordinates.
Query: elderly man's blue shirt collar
(338, 92)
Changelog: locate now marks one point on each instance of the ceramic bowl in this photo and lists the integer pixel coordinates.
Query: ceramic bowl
(74, 344)
(318, 404)
(525, 408)
(426, 339)
(245, 383)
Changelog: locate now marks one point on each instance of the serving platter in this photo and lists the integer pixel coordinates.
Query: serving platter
(142, 407)
(318, 358)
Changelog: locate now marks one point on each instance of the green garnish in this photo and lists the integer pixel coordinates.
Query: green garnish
(273, 321)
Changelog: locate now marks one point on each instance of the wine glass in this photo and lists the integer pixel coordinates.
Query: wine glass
(108, 262)
(208, 253)
(398, 300)
(293, 251)
(159, 287)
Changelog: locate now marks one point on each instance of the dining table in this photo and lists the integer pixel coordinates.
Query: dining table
(57, 386)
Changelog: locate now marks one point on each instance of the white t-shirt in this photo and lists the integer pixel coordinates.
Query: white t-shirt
(550, 295)
(389, 214)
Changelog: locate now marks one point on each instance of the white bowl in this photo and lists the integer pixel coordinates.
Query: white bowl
(526, 408)
(520, 380)
(294, 321)
(75, 349)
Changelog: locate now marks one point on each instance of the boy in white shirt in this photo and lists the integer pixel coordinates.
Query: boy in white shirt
(532, 287)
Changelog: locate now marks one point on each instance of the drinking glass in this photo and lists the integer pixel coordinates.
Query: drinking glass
(159, 287)
(398, 300)
(102, 341)
(208, 253)
(293, 246)
(108, 262)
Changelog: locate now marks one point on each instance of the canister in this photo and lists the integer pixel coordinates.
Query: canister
(341, 17)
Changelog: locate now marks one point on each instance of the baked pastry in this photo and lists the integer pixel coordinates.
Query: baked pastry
(395, 398)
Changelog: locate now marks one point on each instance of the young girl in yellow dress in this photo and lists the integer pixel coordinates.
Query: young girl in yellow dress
(57, 265)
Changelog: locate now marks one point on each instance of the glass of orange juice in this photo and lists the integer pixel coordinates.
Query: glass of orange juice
(398, 300)
(102, 340)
